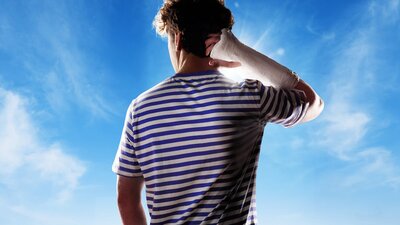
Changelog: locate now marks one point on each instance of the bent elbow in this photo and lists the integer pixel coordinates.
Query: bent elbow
(314, 110)
(321, 106)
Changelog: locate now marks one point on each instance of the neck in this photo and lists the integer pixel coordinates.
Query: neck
(189, 63)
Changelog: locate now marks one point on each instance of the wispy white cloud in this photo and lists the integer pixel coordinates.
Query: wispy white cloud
(347, 120)
(68, 84)
(13, 132)
(54, 163)
(260, 41)
(72, 73)
(324, 35)
(280, 51)
(344, 127)
(389, 10)
(49, 46)
(377, 168)
(31, 214)
(26, 158)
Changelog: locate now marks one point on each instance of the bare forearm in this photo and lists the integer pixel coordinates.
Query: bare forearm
(129, 201)
(257, 65)
(266, 70)
(316, 104)
(132, 214)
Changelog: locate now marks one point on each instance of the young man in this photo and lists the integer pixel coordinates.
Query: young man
(194, 139)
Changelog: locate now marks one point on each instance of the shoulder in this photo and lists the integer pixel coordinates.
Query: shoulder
(250, 83)
(151, 93)
(241, 83)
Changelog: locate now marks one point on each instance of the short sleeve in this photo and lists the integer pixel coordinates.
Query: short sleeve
(126, 163)
(282, 106)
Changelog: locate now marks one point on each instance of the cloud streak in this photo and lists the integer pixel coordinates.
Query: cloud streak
(349, 119)
(347, 122)
(25, 158)
(50, 45)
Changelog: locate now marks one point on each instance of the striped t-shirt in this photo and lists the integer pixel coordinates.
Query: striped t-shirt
(195, 139)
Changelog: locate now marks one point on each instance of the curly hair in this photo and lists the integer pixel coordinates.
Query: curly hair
(194, 20)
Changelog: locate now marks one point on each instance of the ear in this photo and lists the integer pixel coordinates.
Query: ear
(178, 43)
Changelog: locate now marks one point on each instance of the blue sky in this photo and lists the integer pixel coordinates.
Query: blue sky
(69, 69)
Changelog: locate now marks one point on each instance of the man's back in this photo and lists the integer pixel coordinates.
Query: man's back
(195, 139)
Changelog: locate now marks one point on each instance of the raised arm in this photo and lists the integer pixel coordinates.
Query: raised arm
(316, 104)
(227, 50)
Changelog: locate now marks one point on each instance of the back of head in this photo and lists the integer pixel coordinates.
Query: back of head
(194, 20)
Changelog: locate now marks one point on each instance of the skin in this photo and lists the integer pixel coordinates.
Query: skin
(129, 200)
(129, 189)
(183, 61)
(316, 104)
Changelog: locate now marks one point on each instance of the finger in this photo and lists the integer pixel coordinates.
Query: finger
(212, 40)
(222, 63)
(209, 49)
(213, 37)
(210, 43)
(214, 34)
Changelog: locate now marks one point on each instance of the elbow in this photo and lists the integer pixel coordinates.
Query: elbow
(314, 110)
(315, 103)
(319, 107)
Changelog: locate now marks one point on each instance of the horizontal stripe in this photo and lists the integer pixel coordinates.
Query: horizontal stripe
(196, 98)
(189, 163)
(174, 221)
(175, 174)
(205, 120)
(199, 206)
(129, 170)
(196, 106)
(180, 212)
(196, 113)
(182, 131)
(176, 86)
(185, 90)
(198, 93)
(183, 147)
(220, 192)
(181, 189)
(195, 138)
(183, 181)
(128, 162)
(182, 139)
(181, 156)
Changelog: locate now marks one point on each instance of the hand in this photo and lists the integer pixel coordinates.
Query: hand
(210, 43)
(211, 40)
(223, 63)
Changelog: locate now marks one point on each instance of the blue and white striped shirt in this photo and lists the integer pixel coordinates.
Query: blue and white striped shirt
(195, 139)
